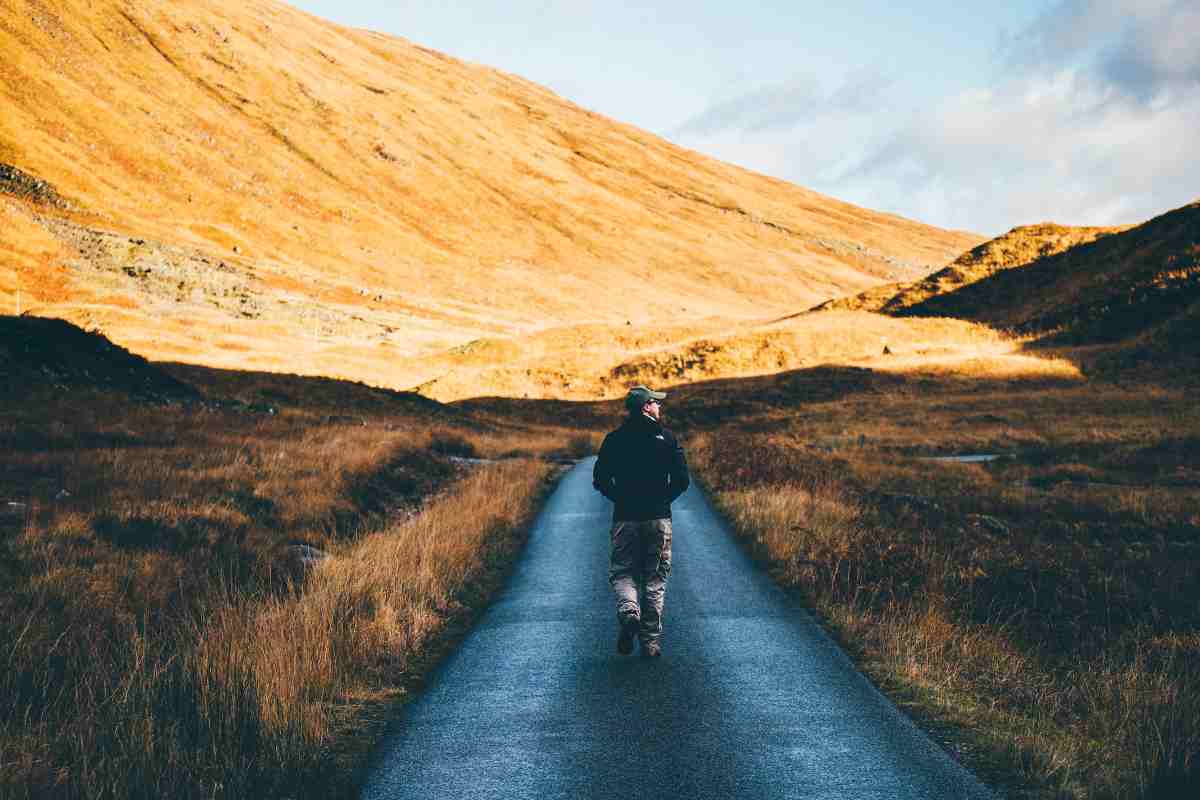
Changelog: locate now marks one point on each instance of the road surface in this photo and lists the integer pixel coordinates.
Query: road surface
(750, 698)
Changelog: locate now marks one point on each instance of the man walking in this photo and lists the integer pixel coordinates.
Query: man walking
(641, 469)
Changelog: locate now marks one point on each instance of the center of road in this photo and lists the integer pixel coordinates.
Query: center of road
(750, 698)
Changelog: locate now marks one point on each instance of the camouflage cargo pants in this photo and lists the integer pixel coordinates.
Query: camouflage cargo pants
(639, 565)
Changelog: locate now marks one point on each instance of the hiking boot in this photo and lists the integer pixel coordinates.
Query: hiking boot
(651, 650)
(629, 630)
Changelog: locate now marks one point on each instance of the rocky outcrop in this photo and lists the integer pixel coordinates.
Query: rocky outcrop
(21, 184)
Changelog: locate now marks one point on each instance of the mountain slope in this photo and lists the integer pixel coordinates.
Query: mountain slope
(1018, 247)
(242, 184)
(590, 362)
(1119, 286)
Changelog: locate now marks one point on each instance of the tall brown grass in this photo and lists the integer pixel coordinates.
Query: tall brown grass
(159, 637)
(1045, 605)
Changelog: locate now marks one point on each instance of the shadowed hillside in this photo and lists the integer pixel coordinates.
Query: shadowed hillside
(1018, 247)
(50, 352)
(1144, 281)
(1172, 350)
(242, 184)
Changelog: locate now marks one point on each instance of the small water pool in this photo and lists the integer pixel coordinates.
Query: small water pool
(969, 458)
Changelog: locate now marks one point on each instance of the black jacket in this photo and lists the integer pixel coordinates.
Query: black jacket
(641, 468)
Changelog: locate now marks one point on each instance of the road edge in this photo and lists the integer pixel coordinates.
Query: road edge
(365, 721)
(960, 743)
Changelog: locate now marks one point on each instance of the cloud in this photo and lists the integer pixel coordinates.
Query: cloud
(1140, 47)
(1090, 119)
(788, 104)
(1064, 146)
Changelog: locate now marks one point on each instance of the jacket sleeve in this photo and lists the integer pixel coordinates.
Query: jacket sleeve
(680, 480)
(602, 472)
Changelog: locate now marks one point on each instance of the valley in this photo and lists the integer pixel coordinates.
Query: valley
(301, 324)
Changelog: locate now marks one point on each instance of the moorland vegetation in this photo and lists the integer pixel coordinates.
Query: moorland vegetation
(1036, 612)
(217, 580)
(214, 583)
(1043, 601)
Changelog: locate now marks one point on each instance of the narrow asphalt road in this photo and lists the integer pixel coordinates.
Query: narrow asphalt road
(750, 699)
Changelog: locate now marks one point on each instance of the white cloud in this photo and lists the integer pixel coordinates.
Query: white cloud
(788, 104)
(1093, 120)
(1062, 146)
(1141, 48)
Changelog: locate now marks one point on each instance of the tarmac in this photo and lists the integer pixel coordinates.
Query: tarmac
(750, 699)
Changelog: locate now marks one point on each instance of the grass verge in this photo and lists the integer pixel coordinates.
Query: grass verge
(1037, 613)
(165, 635)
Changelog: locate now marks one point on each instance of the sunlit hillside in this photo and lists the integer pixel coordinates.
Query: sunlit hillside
(1117, 287)
(1018, 247)
(242, 184)
(584, 363)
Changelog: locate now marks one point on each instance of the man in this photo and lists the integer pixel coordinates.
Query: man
(641, 469)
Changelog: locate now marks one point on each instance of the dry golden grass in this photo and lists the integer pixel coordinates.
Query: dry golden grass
(1020, 246)
(1044, 604)
(1123, 286)
(591, 362)
(370, 199)
(162, 640)
(361, 619)
(843, 338)
(31, 262)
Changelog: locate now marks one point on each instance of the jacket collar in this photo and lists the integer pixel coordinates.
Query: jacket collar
(642, 422)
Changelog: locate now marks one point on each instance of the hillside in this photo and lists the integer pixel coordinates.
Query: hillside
(1142, 282)
(1018, 247)
(53, 354)
(242, 184)
(588, 363)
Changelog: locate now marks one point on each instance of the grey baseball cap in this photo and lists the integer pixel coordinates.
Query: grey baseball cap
(640, 395)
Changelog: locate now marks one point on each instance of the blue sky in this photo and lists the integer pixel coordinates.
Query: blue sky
(970, 115)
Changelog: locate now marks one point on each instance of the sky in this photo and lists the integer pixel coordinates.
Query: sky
(972, 115)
